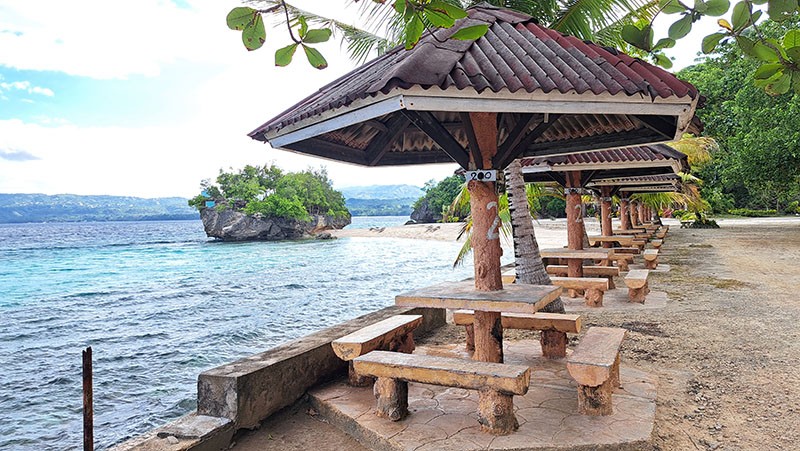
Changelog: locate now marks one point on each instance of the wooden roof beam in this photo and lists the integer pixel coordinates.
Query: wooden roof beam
(383, 141)
(516, 143)
(658, 124)
(472, 140)
(425, 121)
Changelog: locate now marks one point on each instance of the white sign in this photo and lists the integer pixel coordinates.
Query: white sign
(486, 175)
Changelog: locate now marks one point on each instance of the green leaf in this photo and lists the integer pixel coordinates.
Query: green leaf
(717, 8)
(254, 34)
(766, 71)
(791, 39)
(796, 81)
(314, 57)
(663, 61)
(438, 18)
(746, 44)
(239, 17)
(671, 6)
(764, 53)
(317, 36)
(741, 16)
(452, 11)
(414, 29)
(780, 10)
(642, 39)
(470, 33)
(794, 54)
(711, 41)
(700, 6)
(665, 43)
(780, 86)
(681, 28)
(400, 6)
(303, 27)
(284, 56)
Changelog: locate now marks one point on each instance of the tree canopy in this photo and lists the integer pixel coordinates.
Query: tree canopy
(610, 22)
(757, 164)
(268, 191)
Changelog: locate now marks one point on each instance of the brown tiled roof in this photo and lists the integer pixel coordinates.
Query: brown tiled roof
(643, 154)
(516, 54)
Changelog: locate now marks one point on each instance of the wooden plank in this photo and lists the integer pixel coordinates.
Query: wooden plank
(590, 364)
(586, 254)
(425, 121)
(623, 240)
(625, 250)
(636, 278)
(449, 372)
(579, 283)
(650, 254)
(561, 322)
(374, 336)
(626, 257)
(605, 271)
(516, 298)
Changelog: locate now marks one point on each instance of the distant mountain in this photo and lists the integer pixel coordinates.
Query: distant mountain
(18, 208)
(381, 200)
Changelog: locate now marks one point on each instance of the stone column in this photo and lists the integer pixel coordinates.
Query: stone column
(605, 213)
(574, 221)
(624, 218)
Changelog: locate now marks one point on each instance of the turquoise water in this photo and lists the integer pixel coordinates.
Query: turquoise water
(159, 303)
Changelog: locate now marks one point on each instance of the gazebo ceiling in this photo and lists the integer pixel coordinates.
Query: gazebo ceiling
(554, 94)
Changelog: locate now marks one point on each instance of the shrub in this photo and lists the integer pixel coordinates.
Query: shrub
(277, 206)
(752, 213)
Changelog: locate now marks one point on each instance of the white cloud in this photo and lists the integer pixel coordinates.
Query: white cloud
(25, 86)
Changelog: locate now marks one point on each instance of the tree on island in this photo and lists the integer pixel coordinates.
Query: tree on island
(268, 191)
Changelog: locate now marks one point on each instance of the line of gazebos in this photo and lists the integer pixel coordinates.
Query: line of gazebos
(580, 114)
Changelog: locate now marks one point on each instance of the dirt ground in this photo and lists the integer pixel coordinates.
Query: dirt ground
(725, 349)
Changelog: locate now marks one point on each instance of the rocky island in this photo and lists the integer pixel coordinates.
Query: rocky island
(266, 204)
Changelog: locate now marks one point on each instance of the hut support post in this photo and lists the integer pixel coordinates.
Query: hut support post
(605, 213)
(486, 248)
(634, 209)
(574, 224)
(642, 213)
(624, 218)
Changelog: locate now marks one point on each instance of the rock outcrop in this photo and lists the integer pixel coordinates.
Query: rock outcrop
(232, 225)
(425, 215)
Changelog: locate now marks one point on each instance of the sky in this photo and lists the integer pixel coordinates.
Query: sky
(147, 98)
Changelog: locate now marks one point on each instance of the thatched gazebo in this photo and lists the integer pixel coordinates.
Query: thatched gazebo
(521, 90)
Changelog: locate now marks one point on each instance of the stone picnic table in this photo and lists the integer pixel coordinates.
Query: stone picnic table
(576, 254)
(620, 240)
(513, 298)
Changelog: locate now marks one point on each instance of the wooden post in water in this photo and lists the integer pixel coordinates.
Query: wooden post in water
(88, 408)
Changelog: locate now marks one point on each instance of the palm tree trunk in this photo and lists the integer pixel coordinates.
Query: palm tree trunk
(528, 261)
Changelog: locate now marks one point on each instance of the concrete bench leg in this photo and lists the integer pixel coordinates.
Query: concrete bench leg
(554, 344)
(638, 294)
(595, 401)
(623, 265)
(594, 297)
(403, 343)
(651, 264)
(496, 412)
(611, 284)
(470, 337)
(392, 395)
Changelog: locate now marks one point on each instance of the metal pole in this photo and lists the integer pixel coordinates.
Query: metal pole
(88, 408)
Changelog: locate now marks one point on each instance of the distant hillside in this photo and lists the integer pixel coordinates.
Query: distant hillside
(381, 200)
(18, 208)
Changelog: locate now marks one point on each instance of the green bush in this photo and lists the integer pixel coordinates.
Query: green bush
(793, 208)
(752, 213)
(278, 206)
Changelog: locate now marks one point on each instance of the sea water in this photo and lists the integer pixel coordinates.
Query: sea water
(159, 303)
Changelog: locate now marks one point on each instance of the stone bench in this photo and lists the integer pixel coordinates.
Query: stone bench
(626, 250)
(593, 287)
(609, 272)
(594, 364)
(636, 281)
(657, 243)
(496, 382)
(391, 334)
(554, 328)
(650, 258)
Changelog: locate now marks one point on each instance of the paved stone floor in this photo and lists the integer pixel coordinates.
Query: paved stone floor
(445, 418)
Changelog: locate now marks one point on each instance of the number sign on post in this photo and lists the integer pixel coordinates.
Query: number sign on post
(486, 175)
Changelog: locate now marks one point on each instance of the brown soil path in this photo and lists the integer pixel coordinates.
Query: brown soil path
(726, 348)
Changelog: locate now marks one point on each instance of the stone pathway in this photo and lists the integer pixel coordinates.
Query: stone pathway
(444, 418)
